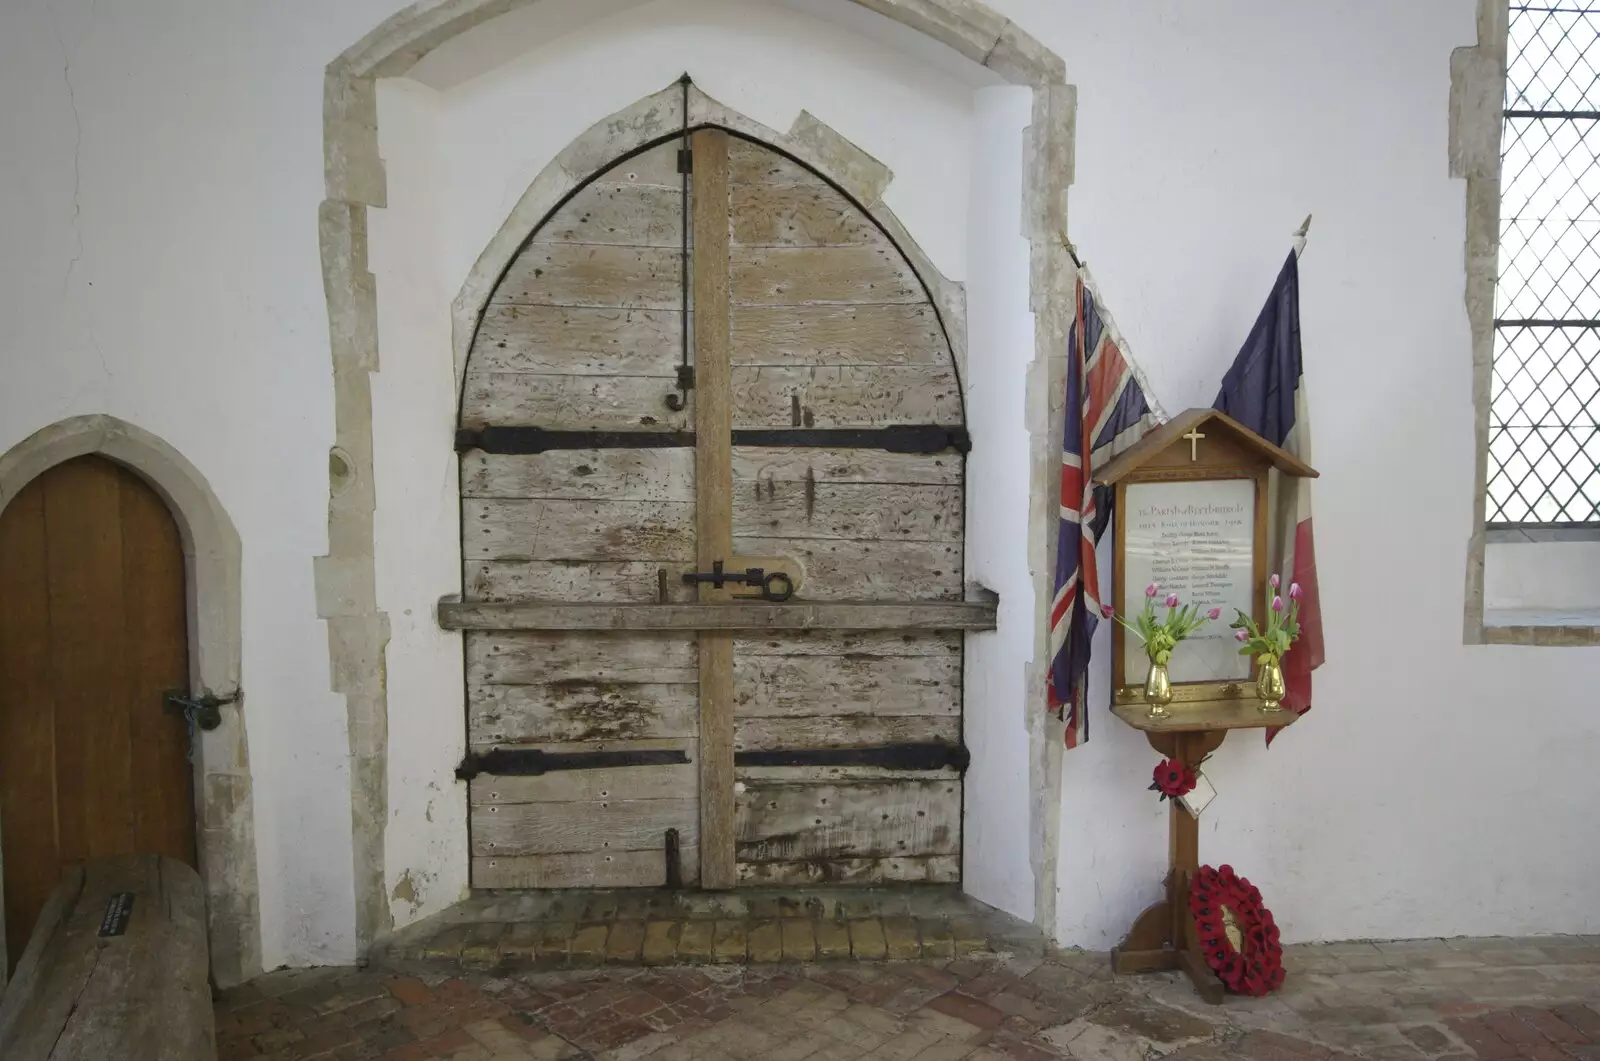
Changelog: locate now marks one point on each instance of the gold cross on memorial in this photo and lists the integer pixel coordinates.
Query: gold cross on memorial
(1194, 436)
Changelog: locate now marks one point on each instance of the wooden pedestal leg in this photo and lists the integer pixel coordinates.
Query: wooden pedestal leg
(1163, 936)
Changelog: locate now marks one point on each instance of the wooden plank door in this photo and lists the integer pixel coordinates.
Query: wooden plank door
(584, 334)
(92, 634)
(810, 337)
(833, 332)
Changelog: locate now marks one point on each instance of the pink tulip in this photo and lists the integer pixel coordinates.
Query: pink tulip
(1241, 636)
(1107, 611)
(1213, 613)
(1295, 591)
(1172, 600)
(1277, 604)
(1150, 590)
(1273, 581)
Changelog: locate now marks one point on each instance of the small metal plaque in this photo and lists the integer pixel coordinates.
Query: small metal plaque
(118, 910)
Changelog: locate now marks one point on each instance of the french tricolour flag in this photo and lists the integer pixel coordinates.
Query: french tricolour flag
(1265, 391)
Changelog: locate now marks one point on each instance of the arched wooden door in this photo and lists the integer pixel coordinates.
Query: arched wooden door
(822, 436)
(92, 633)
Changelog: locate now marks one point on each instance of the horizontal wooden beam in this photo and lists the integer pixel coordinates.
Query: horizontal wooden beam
(850, 615)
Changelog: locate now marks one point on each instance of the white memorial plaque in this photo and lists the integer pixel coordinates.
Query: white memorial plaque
(1195, 539)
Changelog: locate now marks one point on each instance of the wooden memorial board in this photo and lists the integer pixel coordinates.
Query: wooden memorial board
(1192, 500)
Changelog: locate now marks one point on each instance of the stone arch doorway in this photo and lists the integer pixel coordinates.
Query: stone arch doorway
(206, 615)
(355, 181)
(709, 357)
(92, 634)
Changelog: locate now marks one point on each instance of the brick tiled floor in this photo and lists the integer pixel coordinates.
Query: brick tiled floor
(1432, 999)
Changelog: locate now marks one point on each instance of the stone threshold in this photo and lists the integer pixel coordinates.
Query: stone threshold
(540, 930)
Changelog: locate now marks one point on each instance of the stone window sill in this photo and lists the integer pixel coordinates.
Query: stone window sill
(1542, 626)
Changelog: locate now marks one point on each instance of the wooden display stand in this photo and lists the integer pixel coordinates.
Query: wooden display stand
(1163, 936)
(1193, 514)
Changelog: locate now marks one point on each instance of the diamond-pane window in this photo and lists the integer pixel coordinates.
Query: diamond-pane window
(1544, 436)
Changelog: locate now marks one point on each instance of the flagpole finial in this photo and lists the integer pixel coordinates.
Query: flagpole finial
(1300, 236)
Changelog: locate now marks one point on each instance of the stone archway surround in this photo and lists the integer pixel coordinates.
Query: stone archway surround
(346, 577)
(225, 822)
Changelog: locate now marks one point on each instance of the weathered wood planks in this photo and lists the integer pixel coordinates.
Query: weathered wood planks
(582, 636)
(928, 869)
(617, 212)
(863, 819)
(751, 163)
(142, 995)
(571, 710)
(583, 274)
(793, 685)
(581, 475)
(851, 511)
(833, 731)
(572, 403)
(577, 530)
(572, 581)
(578, 341)
(765, 464)
(539, 615)
(848, 569)
(780, 215)
(580, 826)
(810, 276)
(713, 486)
(843, 397)
(795, 336)
(534, 656)
(588, 869)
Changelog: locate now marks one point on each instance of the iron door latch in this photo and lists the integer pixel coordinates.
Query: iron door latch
(769, 585)
(203, 712)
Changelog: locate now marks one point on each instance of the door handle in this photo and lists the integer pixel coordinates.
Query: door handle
(203, 712)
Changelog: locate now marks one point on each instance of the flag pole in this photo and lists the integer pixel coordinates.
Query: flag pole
(1300, 236)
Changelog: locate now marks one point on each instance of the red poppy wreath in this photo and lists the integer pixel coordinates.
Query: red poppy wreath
(1237, 934)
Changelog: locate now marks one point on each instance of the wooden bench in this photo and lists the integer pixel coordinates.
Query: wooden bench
(116, 968)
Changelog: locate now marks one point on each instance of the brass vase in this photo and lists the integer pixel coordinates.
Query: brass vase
(1157, 690)
(1270, 689)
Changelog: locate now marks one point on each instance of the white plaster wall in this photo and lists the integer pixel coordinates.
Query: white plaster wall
(995, 852)
(158, 195)
(418, 524)
(461, 141)
(159, 182)
(1435, 788)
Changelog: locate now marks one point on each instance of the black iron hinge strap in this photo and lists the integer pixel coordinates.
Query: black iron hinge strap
(907, 438)
(531, 762)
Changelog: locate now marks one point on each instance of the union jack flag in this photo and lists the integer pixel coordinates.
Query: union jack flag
(1107, 407)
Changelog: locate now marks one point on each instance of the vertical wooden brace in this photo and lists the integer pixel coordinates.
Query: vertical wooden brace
(713, 407)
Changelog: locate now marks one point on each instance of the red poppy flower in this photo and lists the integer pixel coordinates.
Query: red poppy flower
(1173, 778)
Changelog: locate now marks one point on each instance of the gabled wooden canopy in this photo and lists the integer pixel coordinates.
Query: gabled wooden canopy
(1172, 434)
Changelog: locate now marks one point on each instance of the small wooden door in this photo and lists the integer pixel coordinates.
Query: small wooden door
(92, 633)
(588, 478)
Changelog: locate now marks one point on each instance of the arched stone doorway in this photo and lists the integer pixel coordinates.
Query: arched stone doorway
(346, 577)
(209, 611)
